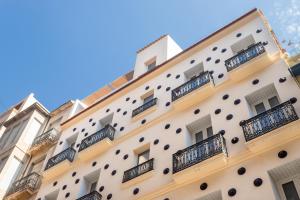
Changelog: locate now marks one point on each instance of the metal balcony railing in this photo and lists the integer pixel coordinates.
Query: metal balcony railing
(138, 170)
(199, 152)
(94, 195)
(269, 120)
(244, 56)
(144, 107)
(67, 154)
(191, 85)
(107, 132)
(49, 137)
(30, 182)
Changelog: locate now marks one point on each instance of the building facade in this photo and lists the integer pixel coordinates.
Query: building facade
(218, 120)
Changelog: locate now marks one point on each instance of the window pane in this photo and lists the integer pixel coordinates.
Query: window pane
(93, 186)
(260, 108)
(209, 131)
(143, 157)
(273, 101)
(290, 191)
(151, 65)
(199, 136)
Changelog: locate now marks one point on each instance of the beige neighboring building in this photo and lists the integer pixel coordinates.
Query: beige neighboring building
(216, 121)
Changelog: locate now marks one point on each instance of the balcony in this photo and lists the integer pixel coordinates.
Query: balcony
(206, 157)
(91, 196)
(248, 61)
(272, 128)
(96, 143)
(25, 187)
(44, 141)
(138, 173)
(193, 91)
(144, 109)
(59, 163)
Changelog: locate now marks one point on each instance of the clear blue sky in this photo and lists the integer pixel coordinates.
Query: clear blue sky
(66, 49)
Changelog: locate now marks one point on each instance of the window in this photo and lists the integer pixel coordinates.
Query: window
(93, 186)
(106, 120)
(290, 191)
(200, 129)
(148, 98)
(143, 157)
(260, 108)
(199, 136)
(71, 140)
(273, 101)
(242, 44)
(151, 66)
(209, 131)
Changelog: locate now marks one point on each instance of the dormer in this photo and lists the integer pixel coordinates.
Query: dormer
(155, 54)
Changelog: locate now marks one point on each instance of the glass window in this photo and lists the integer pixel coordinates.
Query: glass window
(143, 157)
(93, 186)
(260, 108)
(273, 101)
(199, 136)
(151, 66)
(209, 131)
(290, 191)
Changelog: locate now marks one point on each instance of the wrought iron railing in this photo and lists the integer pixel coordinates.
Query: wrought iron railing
(94, 195)
(49, 137)
(107, 132)
(144, 107)
(191, 85)
(244, 56)
(269, 120)
(30, 182)
(138, 170)
(199, 152)
(67, 154)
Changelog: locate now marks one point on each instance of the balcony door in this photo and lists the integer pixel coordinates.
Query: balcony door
(266, 104)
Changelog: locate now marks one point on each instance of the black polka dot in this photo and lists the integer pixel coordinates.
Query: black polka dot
(212, 72)
(293, 100)
(141, 139)
(60, 143)
(167, 126)
(257, 182)
(128, 98)
(77, 181)
(168, 104)
(94, 163)
(224, 50)
(215, 48)
(238, 35)
(55, 183)
(77, 145)
(217, 111)
(136, 191)
(168, 75)
(282, 80)
(109, 196)
(158, 87)
(94, 123)
(143, 121)
(231, 192)
(101, 188)
(241, 171)
(178, 130)
(220, 75)
(64, 187)
(168, 88)
(134, 101)
(166, 171)
(74, 174)
(90, 120)
(217, 61)
(147, 87)
(222, 132)
(115, 125)
(282, 154)
(113, 172)
(208, 59)
(229, 117)
(203, 186)
(197, 111)
(125, 156)
(166, 147)
(74, 129)
(237, 101)
(225, 96)
(258, 30)
(125, 112)
(234, 140)
(117, 151)
(265, 43)
(122, 128)
(106, 166)
(67, 195)
(86, 134)
(192, 61)
(107, 110)
(177, 76)
(119, 109)
(82, 130)
(156, 141)
(256, 81)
